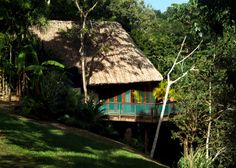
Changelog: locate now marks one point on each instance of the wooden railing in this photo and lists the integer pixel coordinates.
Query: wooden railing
(137, 109)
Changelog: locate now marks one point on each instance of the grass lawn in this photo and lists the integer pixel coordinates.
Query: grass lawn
(26, 144)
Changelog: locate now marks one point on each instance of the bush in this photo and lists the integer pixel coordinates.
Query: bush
(28, 106)
(84, 115)
(198, 160)
(58, 101)
(47, 95)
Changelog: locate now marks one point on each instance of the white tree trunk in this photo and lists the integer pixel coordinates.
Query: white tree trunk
(84, 78)
(48, 2)
(208, 139)
(209, 124)
(160, 120)
(82, 55)
(10, 74)
(83, 16)
(169, 83)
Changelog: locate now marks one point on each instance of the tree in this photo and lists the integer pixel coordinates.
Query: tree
(208, 96)
(83, 30)
(169, 83)
(16, 18)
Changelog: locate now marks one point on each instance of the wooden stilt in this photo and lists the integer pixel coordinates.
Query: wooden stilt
(146, 140)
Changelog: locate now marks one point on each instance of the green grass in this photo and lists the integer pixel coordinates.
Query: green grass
(26, 144)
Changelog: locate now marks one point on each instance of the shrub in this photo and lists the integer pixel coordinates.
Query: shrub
(198, 160)
(57, 100)
(47, 96)
(88, 114)
(28, 105)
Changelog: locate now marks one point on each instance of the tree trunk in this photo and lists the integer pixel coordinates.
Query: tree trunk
(48, 2)
(19, 86)
(169, 83)
(10, 74)
(185, 147)
(83, 59)
(3, 86)
(160, 120)
(84, 78)
(208, 139)
(23, 83)
(1, 77)
(83, 16)
(209, 124)
(191, 158)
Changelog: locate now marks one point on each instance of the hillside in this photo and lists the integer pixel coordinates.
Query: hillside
(27, 143)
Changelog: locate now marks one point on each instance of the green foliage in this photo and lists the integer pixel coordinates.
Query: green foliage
(18, 15)
(138, 96)
(160, 91)
(17, 50)
(74, 111)
(2, 42)
(214, 62)
(88, 114)
(46, 96)
(53, 98)
(226, 49)
(25, 57)
(28, 105)
(218, 14)
(198, 160)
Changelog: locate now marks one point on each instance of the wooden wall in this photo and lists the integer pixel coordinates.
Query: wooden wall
(125, 93)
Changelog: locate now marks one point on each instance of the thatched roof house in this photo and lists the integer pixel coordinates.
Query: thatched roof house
(112, 56)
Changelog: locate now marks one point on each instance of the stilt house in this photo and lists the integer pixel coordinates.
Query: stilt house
(115, 68)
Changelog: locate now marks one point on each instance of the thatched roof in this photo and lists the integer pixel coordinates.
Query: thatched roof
(112, 56)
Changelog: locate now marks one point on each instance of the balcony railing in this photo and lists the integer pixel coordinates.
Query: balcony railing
(138, 109)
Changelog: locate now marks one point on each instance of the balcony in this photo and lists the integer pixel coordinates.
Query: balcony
(137, 112)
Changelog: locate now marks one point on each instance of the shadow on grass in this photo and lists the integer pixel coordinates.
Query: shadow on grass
(37, 146)
(31, 136)
(73, 161)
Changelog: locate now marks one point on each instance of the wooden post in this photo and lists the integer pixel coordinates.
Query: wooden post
(146, 140)
(120, 114)
(128, 135)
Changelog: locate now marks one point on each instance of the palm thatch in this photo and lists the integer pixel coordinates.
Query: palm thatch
(112, 56)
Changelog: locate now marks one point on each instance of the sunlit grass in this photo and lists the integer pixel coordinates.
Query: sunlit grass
(25, 144)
